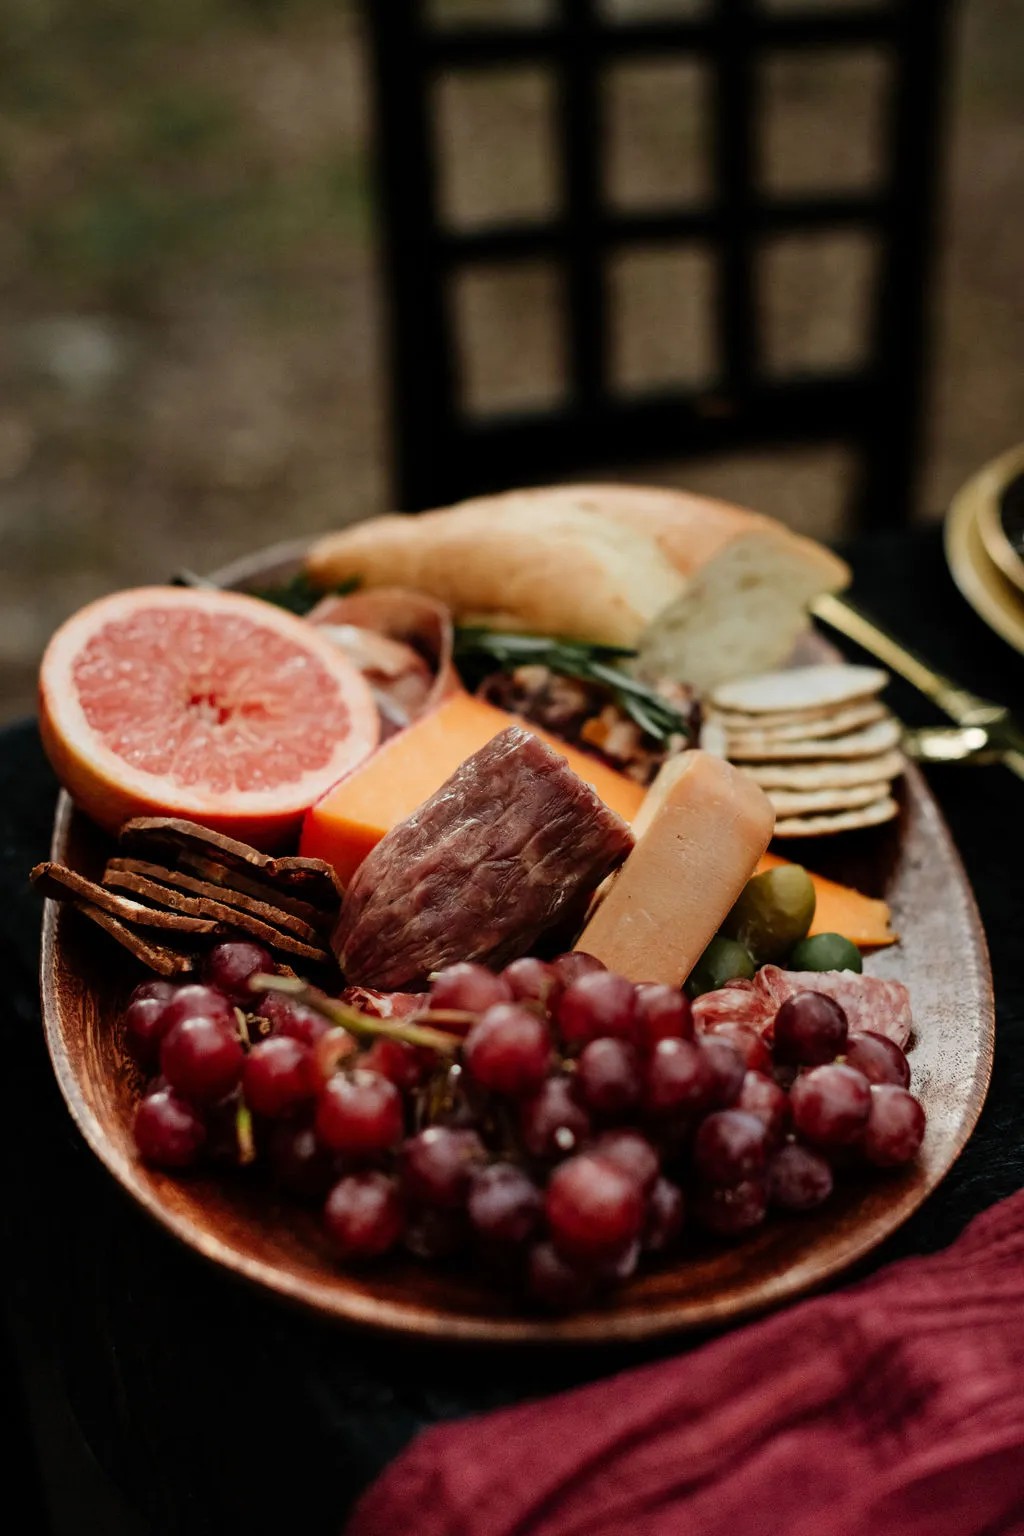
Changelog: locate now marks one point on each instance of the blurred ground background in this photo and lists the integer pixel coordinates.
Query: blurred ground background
(190, 361)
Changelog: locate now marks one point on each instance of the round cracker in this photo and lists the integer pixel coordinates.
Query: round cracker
(840, 723)
(869, 742)
(872, 815)
(826, 775)
(799, 688)
(814, 802)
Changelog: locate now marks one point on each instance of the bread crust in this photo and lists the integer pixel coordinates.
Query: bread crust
(595, 561)
(556, 569)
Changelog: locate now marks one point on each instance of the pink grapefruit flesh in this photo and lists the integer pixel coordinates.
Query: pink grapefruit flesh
(204, 704)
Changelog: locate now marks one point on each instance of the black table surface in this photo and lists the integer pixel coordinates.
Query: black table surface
(165, 1396)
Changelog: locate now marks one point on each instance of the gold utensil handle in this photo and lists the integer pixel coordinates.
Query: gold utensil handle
(960, 705)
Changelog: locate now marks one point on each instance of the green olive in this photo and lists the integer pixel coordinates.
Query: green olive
(723, 961)
(773, 912)
(825, 952)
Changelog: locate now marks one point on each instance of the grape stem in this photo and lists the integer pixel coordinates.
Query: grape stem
(244, 1137)
(362, 1025)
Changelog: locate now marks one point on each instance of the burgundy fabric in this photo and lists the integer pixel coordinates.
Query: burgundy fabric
(896, 1406)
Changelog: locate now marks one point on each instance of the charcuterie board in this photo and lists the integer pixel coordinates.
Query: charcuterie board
(942, 957)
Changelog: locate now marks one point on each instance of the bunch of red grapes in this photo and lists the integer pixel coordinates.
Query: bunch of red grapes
(579, 1124)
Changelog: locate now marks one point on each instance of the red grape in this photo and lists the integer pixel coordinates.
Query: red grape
(662, 1013)
(438, 1165)
(599, 1003)
(229, 966)
(146, 1020)
(508, 1050)
(396, 1061)
(302, 1167)
(680, 1077)
(168, 1131)
(195, 1001)
(364, 1215)
(750, 1043)
(631, 1152)
(164, 990)
(552, 1282)
(277, 1077)
(594, 1210)
(895, 1127)
(809, 1029)
(830, 1105)
(666, 1211)
(762, 1096)
(288, 1017)
(622, 1267)
(359, 1112)
(732, 1211)
(879, 1058)
(532, 981)
(608, 1078)
(798, 1178)
(727, 1067)
(574, 964)
(468, 988)
(335, 1049)
(730, 1146)
(201, 1059)
(552, 1123)
(436, 1232)
(505, 1204)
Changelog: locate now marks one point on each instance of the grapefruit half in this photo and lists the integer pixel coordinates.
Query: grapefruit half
(202, 704)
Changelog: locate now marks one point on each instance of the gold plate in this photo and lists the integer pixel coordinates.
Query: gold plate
(993, 596)
(987, 489)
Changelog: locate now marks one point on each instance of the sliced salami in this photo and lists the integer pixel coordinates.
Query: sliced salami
(739, 1003)
(868, 1001)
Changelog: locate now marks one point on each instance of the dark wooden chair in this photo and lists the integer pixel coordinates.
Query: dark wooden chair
(442, 450)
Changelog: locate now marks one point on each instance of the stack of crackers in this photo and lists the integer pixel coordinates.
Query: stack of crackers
(819, 742)
(175, 886)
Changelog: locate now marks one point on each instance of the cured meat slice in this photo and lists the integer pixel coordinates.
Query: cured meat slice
(497, 855)
(402, 643)
(741, 1002)
(869, 1002)
(385, 1005)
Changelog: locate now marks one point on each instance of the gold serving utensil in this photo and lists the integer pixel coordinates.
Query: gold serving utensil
(988, 732)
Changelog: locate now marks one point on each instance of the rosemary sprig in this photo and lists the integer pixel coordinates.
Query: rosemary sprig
(590, 663)
(297, 594)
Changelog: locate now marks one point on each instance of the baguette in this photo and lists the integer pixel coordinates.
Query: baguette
(553, 569)
(703, 590)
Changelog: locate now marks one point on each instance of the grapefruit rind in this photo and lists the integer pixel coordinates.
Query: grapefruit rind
(110, 790)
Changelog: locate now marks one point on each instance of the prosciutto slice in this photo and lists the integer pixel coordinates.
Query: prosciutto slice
(385, 1005)
(868, 1001)
(401, 642)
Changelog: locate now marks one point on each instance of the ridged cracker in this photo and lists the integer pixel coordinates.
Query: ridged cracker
(799, 688)
(826, 775)
(815, 802)
(872, 815)
(820, 728)
(866, 743)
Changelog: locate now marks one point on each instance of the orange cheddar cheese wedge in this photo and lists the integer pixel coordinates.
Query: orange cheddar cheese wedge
(388, 786)
(864, 920)
(700, 845)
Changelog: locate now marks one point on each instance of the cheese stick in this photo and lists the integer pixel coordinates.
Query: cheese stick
(699, 842)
